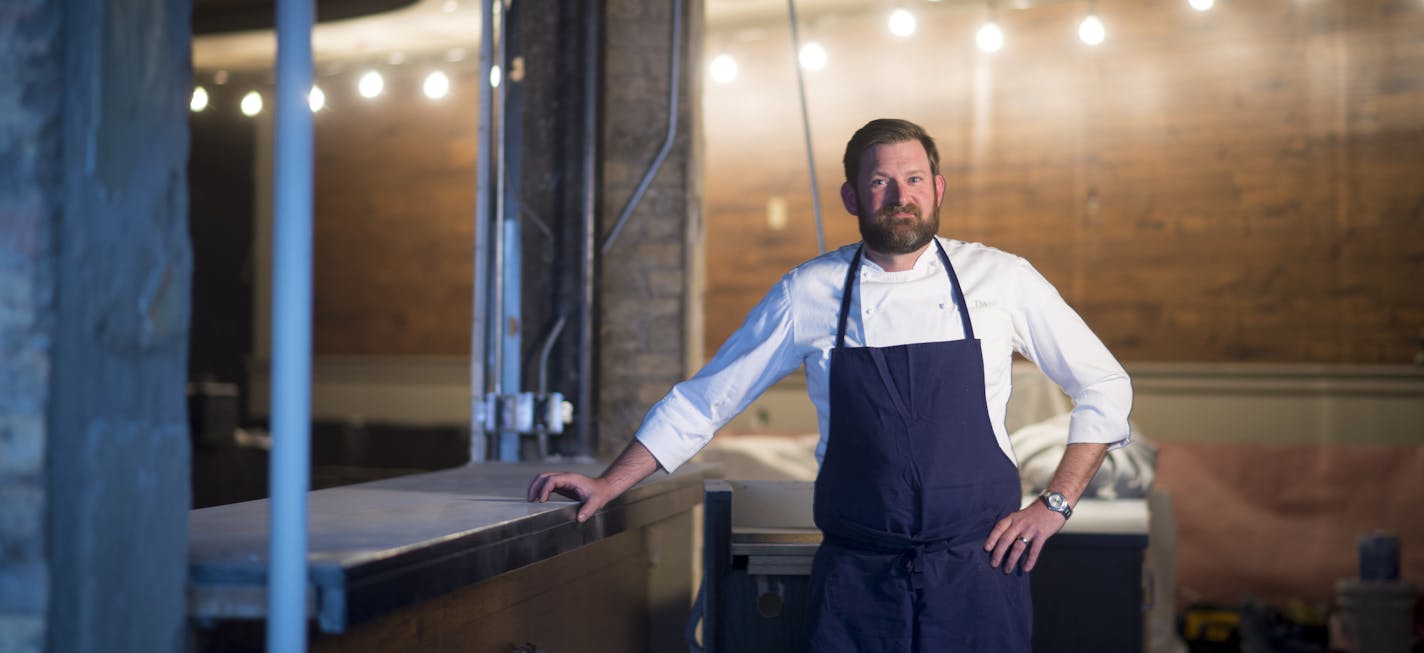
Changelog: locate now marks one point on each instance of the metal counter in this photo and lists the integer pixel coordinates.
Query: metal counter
(379, 546)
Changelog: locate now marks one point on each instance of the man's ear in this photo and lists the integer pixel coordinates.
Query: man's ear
(940, 185)
(848, 199)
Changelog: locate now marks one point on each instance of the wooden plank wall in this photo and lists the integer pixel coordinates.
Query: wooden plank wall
(1244, 184)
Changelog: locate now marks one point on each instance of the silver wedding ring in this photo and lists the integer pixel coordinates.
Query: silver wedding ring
(1025, 540)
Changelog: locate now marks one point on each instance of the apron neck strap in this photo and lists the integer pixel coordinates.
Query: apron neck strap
(959, 297)
(848, 290)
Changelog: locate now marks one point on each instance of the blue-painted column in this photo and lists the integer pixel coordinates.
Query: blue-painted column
(484, 206)
(291, 332)
(511, 189)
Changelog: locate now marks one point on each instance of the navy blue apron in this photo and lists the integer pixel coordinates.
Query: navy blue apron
(911, 483)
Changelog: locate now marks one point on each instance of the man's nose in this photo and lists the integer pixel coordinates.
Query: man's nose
(892, 193)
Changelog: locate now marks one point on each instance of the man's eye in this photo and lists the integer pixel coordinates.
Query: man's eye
(877, 182)
(915, 180)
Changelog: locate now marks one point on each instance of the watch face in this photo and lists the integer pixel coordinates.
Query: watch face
(1056, 501)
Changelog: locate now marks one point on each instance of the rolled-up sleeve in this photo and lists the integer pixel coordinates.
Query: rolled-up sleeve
(1052, 335)
(761, 351)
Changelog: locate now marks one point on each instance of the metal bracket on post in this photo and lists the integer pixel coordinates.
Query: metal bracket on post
(525, 413)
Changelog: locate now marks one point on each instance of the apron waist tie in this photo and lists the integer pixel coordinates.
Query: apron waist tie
(956, 541)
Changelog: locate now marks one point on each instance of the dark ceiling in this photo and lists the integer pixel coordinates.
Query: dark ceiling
(219, 16)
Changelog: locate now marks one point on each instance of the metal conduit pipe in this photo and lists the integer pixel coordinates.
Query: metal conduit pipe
(673, 85)
(806, 124)
(544, 349)
(291, 333)
(480, 318)
(494, 355)
(586, 406)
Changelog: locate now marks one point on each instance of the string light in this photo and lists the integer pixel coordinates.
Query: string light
(370, 85)
(437, 85)
(812, 56)
(723, 68)
(902, 23)
(990, 38)
(251, 104)
(1091, 30)
(200, 99)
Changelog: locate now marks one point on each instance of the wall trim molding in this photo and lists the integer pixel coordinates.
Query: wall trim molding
(409, 390)
(1277, 379)
(1232, 402)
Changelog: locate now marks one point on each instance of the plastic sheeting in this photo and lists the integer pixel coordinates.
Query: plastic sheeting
(1280, 522)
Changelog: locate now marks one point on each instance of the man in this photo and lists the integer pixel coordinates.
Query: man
(907, 341)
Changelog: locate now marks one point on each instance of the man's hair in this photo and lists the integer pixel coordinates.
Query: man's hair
(886, 131)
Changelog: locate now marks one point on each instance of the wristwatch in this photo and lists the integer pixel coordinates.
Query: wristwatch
(1057, 503)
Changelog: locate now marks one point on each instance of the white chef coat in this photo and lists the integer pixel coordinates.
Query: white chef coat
(1013, 309)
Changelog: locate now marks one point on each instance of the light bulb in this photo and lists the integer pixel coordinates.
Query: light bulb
(494, 76)
(990, 38)
(1091, 30)
(1201, 5)
(437, 85)
(200, 99)
(251, 103)
(316, 99)
(902, 23)
(812, 56)
(723, 68)
(370, 85)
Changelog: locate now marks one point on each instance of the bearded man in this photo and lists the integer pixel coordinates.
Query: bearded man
(907, 340)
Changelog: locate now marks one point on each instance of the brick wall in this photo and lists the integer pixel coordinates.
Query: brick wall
(646, 278)
(29, 178)
(394, 216)
(1244, 184)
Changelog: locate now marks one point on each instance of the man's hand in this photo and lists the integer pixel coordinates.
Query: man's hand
(631, 466)
(1027, 529)
(593, 492)
(1033, 524)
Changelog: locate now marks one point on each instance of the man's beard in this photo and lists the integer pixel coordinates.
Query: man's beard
(887, 234)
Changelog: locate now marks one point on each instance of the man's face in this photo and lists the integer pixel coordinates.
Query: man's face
(896, 198)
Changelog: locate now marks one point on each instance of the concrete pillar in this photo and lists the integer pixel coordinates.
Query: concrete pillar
(95, 269)
(651, 278)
